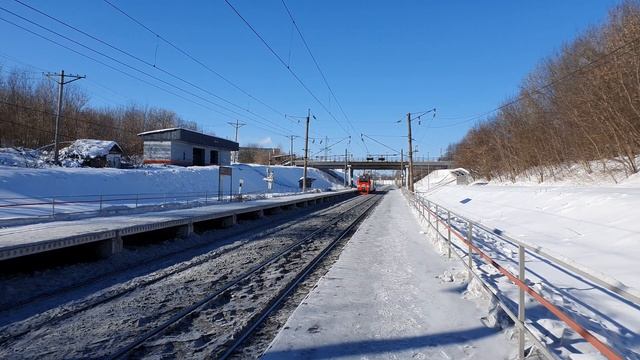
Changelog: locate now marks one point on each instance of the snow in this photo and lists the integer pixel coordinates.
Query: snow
(20, 157)
(88, 148)
(595, 226)
(159, 131)
(24, 185)
(382, 299)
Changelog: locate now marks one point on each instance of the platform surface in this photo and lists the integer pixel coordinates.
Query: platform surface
(96, 228)
(382, 300)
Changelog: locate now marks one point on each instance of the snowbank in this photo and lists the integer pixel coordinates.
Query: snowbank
(89, 184)
(20, 157)
(594, 225)
(437, 178)
(34, 183)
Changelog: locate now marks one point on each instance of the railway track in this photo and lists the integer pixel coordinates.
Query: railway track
(265, 229)
(170, 312)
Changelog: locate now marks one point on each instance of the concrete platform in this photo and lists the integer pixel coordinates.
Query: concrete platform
(382, 300)
(108, 232)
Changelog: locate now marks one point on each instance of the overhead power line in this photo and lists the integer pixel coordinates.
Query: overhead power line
(380, 143)
(593, 63)
(293, 73)
(324, 78)
(192, 58)
(137, 58)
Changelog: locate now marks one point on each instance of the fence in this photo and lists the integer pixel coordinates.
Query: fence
(50, 206)
(447, 224)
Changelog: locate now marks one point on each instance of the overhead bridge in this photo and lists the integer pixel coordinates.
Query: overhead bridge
(427, 165)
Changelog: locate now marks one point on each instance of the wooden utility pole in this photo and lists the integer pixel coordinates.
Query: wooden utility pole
(410, 179)
(306, 153)
(61, 84)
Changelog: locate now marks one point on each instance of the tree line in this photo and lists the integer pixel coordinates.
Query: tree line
(578, 106)
(28, 108)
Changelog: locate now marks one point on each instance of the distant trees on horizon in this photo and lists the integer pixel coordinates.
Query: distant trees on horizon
(28, 107)
(580, 105)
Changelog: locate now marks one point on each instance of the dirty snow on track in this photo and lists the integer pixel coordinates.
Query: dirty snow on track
(96, 325)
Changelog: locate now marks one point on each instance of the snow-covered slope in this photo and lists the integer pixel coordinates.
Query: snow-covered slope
(593, 225)
(21, 182)
(596, 226)
(84, 188)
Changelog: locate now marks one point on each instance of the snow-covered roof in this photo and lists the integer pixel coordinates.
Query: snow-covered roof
(90, 148)
(158, 131)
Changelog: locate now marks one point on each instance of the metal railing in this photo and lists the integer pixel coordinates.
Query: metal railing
(441, 220)
(50, 206)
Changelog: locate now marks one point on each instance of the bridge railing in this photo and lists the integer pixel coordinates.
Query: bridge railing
(373, 158)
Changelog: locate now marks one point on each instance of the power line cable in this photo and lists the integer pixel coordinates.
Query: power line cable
(191, 57)
(287, 66)
(128, 66)
(324, 78)
(135, 58)
(594, 62)
(385, 145)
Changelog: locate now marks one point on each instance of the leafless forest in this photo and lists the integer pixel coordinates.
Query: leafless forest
(28, 107)
(580, 105)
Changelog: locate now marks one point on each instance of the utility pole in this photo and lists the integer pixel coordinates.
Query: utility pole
(306, 153)
(346, 166)
(410, 180)
(401, 168)
(291, 154)
(236, 125)
(326, 148)
(61, 84)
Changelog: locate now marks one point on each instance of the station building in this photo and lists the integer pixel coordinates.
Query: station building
(178, 146)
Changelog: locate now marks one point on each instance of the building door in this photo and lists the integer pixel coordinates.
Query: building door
(198, 156)
(213, 158)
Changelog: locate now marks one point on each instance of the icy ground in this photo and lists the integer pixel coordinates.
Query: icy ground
(595, 226)
(120, 188)
(383, 299)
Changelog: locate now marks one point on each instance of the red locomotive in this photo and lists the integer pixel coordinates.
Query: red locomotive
(365, 184)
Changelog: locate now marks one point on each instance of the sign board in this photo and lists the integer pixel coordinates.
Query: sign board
(224, 171)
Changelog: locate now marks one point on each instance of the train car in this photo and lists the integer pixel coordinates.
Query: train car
(365, 184)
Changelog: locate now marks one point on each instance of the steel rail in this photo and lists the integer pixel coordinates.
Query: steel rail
(604, 349)
(66, 315)
(123, 351)
(245, 333)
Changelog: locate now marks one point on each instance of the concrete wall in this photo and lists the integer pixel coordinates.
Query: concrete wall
(157, 150)
(181, 153)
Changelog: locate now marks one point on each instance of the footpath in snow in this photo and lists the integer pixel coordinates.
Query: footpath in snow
(383, 299)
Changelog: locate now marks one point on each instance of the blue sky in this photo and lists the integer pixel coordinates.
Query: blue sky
(381, 58)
